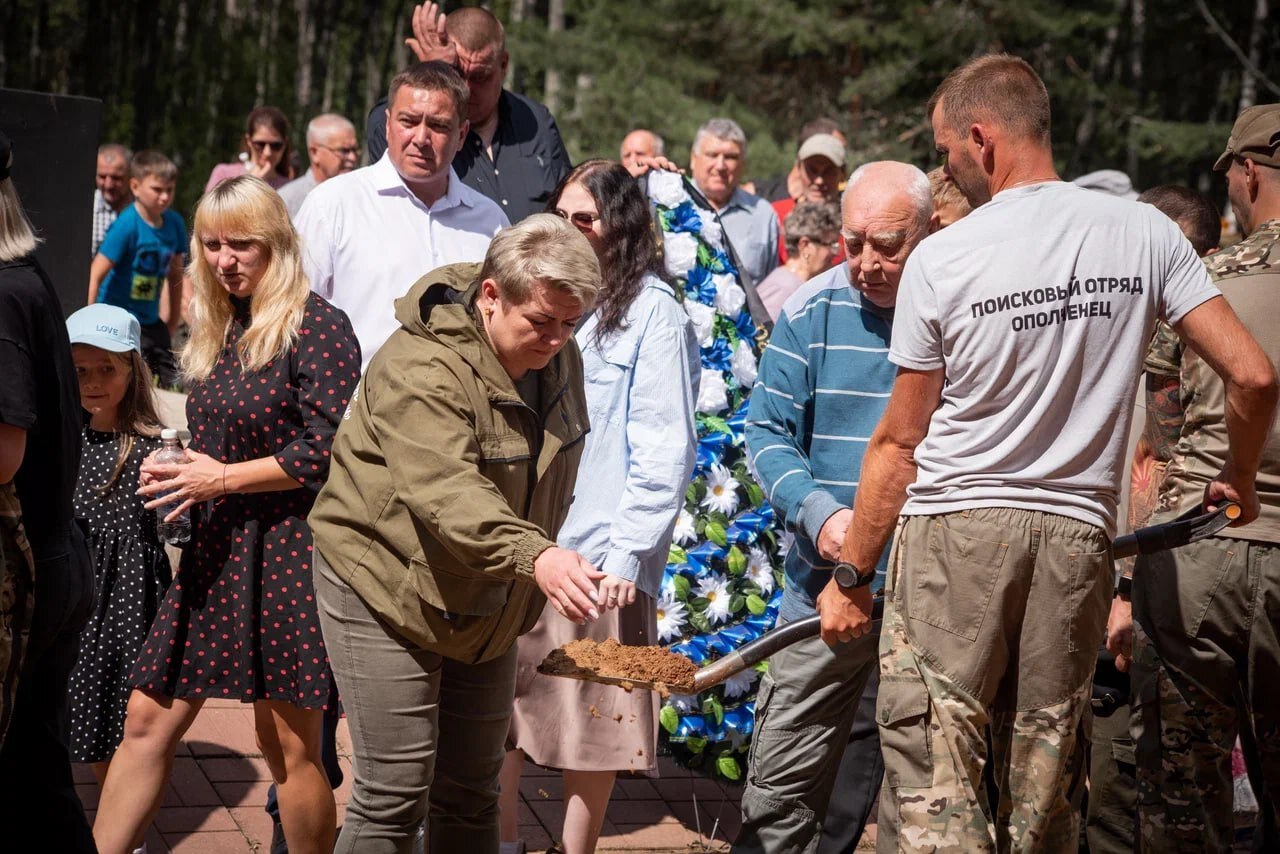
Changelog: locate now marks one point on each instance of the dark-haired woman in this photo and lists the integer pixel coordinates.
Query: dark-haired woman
(640, 360)
(264, 152)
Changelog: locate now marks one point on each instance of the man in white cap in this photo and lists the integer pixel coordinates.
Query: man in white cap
(819, 174)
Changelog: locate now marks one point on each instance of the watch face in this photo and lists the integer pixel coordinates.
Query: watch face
(845, 575)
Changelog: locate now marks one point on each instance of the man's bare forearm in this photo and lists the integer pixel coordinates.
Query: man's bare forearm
(1250, 410)
(1145, 477)
(887, 470)
(1165, 414)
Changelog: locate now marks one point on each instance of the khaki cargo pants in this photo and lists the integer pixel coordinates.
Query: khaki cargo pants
(1206, 665)
(990, 637)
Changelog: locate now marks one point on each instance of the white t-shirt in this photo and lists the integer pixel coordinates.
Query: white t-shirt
(1040, 305)
(367, 238)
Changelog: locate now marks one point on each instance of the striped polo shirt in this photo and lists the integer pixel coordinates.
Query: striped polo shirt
(823, 384)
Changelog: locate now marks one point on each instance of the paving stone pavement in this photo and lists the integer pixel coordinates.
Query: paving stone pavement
(214, 802)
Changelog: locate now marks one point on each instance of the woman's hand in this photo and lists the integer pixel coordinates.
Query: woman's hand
(200, 480)
(145, 477)
(261, 165)
(569, 583)
(616, 592)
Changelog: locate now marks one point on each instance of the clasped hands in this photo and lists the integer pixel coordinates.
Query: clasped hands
(576, 589)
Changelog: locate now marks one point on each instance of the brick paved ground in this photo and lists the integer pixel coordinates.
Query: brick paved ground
(214, 804)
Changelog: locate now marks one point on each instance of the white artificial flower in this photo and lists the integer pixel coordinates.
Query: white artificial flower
(713, 395)
(685, 703)
(667, 188)
(715, 589)
(712, 232)
(672, 615)
(730, 297)
(759, 570)
(680, 252)
(685, 532)
(743, 364)
(785, 542)
(736, 686)
(704, 320)
(722, 491)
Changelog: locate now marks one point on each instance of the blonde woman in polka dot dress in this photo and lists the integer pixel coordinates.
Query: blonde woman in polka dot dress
(272, 367)
(131, 570)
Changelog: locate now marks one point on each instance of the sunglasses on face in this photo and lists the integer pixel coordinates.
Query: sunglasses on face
(353, 151)
(273, 145)
(582, 219)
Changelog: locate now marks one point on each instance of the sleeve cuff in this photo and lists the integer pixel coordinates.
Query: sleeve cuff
(526, 551)
(817, 507)
(622, 565)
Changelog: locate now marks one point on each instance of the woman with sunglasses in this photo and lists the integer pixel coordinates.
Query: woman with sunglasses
(265, 151)
(641, 368)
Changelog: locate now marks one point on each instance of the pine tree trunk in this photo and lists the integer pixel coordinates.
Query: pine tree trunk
(1139, 19)
(1248, 81)
(555, 25)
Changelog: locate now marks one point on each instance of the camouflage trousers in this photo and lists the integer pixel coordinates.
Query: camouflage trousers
(992, 621)
(1206, 664)
(17, 583)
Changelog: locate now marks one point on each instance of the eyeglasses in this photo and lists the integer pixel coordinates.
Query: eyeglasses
(351, 151)
(582, 219)
(274, 145)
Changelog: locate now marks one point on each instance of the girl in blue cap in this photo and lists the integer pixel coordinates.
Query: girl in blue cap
(129, 562)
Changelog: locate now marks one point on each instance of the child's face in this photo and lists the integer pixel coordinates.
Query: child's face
(152, 193)
(104, 378)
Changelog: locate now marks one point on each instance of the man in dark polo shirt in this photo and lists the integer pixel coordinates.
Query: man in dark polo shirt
(513, 153)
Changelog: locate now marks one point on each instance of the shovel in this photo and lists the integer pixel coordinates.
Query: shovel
(1187, 528)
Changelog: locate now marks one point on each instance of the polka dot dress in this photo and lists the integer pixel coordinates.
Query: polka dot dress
(131, 572)
(240, 619)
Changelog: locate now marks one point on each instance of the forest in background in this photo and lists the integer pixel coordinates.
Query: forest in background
(1146, 86)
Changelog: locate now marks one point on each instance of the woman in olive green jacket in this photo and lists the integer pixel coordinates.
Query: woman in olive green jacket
(452, 472)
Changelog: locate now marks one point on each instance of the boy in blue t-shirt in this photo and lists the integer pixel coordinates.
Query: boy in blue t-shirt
(143, 252)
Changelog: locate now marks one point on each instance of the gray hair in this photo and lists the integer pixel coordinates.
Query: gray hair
(903, 176)
(325, 125)
(114, 151)
(543, 248)
(812, 220)
(726, 129)
(659, 144)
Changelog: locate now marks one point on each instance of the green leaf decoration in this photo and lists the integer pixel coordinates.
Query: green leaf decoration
(728, 767)
(696, 743)
(715, 424)
(669, 718)
(711, 705)
(715, 533)
(682, 585)
(736, 561)
(677, 555)
(755, 495)
(736, 602)
(699, 622)
(756, 605)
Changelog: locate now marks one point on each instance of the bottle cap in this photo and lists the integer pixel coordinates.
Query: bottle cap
(168, 433)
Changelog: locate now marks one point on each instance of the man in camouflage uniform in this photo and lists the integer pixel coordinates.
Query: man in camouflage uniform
(1017, 333)
(1206, 651)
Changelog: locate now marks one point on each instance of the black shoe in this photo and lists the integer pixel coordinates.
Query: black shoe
(278, 845)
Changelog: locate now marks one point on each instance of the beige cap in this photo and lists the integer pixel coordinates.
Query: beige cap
(1255, 135)
(823, 145)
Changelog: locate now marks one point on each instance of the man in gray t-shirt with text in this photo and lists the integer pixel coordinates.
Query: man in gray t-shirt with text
(1018, 335)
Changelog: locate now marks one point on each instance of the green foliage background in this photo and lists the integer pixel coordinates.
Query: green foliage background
(1141, 85)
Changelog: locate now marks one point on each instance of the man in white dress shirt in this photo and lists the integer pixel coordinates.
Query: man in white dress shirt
(371, 233)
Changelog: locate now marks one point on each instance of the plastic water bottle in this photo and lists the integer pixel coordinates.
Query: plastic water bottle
(178, 530)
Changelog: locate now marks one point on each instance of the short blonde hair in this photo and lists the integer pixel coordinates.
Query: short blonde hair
(947, 195)
(245, 208)
(543, 248)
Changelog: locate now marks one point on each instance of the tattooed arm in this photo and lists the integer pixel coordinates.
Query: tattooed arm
(1155, 448)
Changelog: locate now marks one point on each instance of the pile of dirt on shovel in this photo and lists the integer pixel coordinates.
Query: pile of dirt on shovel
(586, 658)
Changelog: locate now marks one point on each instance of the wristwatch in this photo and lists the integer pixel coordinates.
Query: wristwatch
(848, 577)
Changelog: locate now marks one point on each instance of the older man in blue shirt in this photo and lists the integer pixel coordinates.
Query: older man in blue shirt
(718, 155)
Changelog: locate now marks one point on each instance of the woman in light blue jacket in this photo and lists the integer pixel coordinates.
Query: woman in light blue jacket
(641, 365)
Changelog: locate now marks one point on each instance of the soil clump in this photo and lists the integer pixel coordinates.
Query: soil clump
(586, 658)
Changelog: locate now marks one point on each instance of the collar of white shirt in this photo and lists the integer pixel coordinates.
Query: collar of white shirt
(386, 179)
